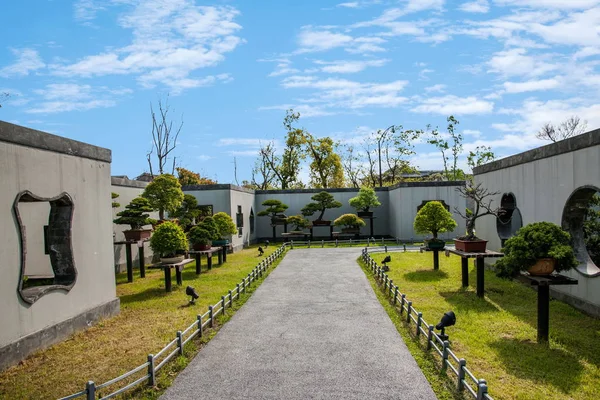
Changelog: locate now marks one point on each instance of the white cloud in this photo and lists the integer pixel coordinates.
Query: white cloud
(320, 40)
(423, 74)
(516, 62)
(471, 132)
(86, 10)
(559, 4)
(28, 60)
(477, 6)
(63, 97)
(204, 157)
(352, 4)
(170, 41)
(241, 142)
(436, 88)
(349, 67)
(450, 104)
(305, 110)
(532, 86)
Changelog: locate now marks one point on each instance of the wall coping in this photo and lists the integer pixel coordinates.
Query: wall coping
(585, 140)
(16, 134)
(377, 189)
(218, 186)
(116, 181)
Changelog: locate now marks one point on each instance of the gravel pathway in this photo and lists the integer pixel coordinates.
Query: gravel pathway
(314, 329)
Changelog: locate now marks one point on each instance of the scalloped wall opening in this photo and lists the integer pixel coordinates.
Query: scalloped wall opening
(57, 238)
(510, 221)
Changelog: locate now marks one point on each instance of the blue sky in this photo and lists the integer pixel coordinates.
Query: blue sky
(89, 70)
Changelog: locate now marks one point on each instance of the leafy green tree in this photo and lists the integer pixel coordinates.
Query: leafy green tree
(433, 217)
(322, 202)
(209, 224)
(365, 199)
(481, 155)
(454, 147)
(225, 224)
(164, 194)
(326, 166)
(135, 215)
(187, 177)
(113, 196)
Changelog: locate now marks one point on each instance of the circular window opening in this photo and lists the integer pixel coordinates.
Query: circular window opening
(581, 218)
(509, 221)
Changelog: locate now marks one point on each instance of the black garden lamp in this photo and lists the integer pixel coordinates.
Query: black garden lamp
(190, 291)
(448, 319)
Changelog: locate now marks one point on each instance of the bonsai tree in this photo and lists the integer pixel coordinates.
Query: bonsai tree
(200, 238)
(209, 224)
(168, 239)
(533, 242)
(365, 199)
(322, 201)
(135, 215)
(434, 218)
(188, 213)
(164, 194)
(113, 196)
(274, 209)
(482, 205)
(225, 224)
(298, 221)
(351, 221)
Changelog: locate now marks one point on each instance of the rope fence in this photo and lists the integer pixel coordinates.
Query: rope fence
(465, 379)
(155, 362)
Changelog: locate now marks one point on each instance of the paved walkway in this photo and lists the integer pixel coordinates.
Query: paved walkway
(313, 330)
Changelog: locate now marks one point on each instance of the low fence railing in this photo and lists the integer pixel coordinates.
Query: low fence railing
(340, 242)
(465, 379)
(157, 361)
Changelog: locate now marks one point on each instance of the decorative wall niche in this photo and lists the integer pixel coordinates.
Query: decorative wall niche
(510, 221)
(446, 206)
(56, 244)
(579, 211)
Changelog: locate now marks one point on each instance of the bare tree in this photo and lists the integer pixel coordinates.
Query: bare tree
(570, 127)
(351, 164)
(164, 139)
(3, 96)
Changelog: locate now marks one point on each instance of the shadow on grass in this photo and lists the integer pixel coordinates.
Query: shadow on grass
(150, 293)
(523, 359)
(465, 300)
(426, 275)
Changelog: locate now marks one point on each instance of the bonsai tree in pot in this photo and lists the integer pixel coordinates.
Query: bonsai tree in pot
(351, 223)
(538, 248)
(188, 213)
(135, 216)
(274, 209)
(322, 202)
(164, 194)
(298, 222)
(482, 206)
(434, 218)
(200, 238)
(225, 226)
(168, 239)
(363, 202)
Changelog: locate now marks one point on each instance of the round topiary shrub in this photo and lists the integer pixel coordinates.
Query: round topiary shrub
(532, 243)
(225, 224)
(168, 239)
(349, 221)
(434, 218)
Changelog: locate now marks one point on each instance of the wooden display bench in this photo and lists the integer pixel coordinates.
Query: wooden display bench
(221, 253)
(287, 235)
(128, 256)
(178, 267)
(322, 226)
(480, 266)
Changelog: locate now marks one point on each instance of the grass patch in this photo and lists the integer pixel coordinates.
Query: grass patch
(497, 334)
(148, 320)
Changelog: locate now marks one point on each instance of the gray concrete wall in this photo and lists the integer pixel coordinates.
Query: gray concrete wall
(245, 199)
(406, 197)
(48, 165)
(542, 180)
(128, 190)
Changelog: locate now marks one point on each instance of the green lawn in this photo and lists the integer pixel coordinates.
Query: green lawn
(497, 334)
(149, 319)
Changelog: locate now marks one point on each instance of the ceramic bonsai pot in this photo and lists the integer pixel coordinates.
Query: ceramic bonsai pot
(172, 260)
(350, 230)
(365, 214)
(137, 234)
(222, 242)
(435, 244)
(543, 266)
(470, 246)
(201, 247)
(321, 222)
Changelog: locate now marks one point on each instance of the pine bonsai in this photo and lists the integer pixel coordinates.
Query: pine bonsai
(322, 202)
(209, 224)
(533, 242)
(274, 209)
(135, 215)
(433, 217)
(199, 235)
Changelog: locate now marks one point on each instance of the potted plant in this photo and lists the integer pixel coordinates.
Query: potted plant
(538, 248)
(365, 199)
(225, 226)
(274, 209)
(351, 223)
(322, 202)
(167, 240)
(482, 206)
(298, 222)
(135, 216)
(434, 218)
(188, 213)
(200, 238)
